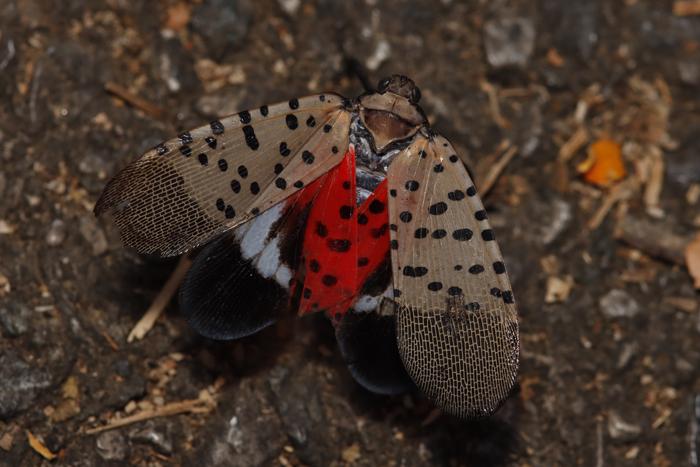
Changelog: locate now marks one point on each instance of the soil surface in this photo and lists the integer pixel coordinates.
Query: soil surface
(610, 322)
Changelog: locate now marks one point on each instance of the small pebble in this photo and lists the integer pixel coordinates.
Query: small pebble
(618, 304)
(509, 41)
(93, 234)
(56, 233)
(111, 445)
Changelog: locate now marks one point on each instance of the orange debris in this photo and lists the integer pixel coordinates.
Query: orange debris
(604, 164)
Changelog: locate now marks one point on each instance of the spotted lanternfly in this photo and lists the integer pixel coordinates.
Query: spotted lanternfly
(356, 208)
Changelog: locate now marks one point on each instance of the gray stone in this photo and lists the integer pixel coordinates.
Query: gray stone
(21, 384)
(222, 24)
(509, 42)
(618, 304)
(15, 319)
(111, 445)
(56, 233)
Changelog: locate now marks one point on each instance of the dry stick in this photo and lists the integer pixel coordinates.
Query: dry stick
(147, 321)
(652, 238)
(686, 7)
(134, 100)
(496, 170)
(174, 408)
(494, 106)
(620, 192)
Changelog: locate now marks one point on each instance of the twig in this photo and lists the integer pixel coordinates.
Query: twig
(621, 191)
(496, 169)
(134, 100)
(200, 405)
(686, 7)
(652, 238)
(573, 144)
(156, 309)
(494, 106)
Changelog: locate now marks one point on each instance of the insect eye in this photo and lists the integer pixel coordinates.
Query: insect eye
(415, 95)
(383, 84)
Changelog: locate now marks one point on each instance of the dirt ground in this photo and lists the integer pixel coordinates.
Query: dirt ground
(543, 99)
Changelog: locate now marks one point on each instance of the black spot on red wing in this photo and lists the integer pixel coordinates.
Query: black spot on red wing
(235, 186)
(462, 234)
(362, 219)
(186, 151)
(250, 139)
(434, 286)
(471, 191)
(281, 183)
(186, 138)
(346, 185)
(488, 235)
(203, 159)
(346, 212)
(412, 185)
(307, 293)
(476, 269)
(508, 297)
(329, 280)
(292, 122)
(161, 149)
(321, 229)
(264, 110)
(211, 141)
(362, 261)
(376, 207)
(438, 208)
(314, 266)
(421, 233)
(284, 150)
(230, 212)
(244, 116)
(307, 157)
(242, 171)
(499, 267)
(480, 215)
(223, 165)
(216, 127)
(453, 291)
(294, 104)
(339, 245)
(405, 216)
(379, 231)
(438, 234)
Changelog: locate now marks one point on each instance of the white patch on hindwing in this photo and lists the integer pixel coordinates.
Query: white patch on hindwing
(255, 237)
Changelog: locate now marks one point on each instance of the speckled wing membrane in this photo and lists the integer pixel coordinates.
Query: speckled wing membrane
(187, 190)
(457, 325)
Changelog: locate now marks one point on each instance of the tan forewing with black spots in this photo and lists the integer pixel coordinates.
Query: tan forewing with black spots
(187, 190)
(456, 321)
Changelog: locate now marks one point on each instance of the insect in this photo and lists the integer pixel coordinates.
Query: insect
(355, 208)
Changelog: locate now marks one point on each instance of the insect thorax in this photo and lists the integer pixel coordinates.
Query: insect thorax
(371, 165)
